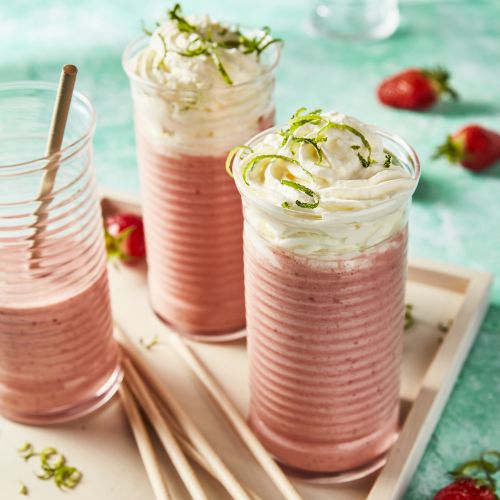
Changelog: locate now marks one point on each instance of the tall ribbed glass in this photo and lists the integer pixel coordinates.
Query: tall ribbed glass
(325, 331)
(58, 359)
(192, 210)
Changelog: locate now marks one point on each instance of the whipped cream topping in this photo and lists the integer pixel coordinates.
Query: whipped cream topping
(334, 167)
(185, 104)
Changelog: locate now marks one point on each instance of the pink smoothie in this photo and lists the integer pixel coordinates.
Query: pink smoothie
(193, 227)
(57, 355)
(325, 347)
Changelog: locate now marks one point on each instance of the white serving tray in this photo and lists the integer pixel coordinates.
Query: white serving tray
(102, 445)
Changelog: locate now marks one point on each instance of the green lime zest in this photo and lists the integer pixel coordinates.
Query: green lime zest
(232, 154)
(313, 141)
(148, 345)
(365, 162)
(218, 64)
(409, 319)
(26, 451)
(299, 118)
(205, 45)
(388, 160)
(23, 489)
(53, 466)
(302, 189)
(251, 163)
(175, 14)
(285, 204)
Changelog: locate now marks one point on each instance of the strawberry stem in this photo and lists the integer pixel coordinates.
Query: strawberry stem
(440, 78)
(452, 150)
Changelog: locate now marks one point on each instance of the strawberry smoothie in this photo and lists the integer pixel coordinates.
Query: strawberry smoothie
(56, 349)
(189, 113)
(325, 354)
(193, 228)
(58, 360)
(326, 203)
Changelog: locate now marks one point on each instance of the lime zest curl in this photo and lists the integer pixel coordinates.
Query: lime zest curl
(251, 163)
(232, 154)
(303, 189)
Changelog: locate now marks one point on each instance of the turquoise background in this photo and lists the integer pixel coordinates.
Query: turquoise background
(456, 214)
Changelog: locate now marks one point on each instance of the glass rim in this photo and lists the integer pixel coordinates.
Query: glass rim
(339, 216)
(137, 41)
(43, 85)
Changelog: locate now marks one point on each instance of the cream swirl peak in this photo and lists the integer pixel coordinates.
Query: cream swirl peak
(198, 53)
(324, 162)
(326, 182)
(200, 87)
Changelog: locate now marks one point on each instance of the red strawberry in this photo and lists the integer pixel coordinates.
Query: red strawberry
(465, 489)
(125, 237)
(475, 147)
(415, 89)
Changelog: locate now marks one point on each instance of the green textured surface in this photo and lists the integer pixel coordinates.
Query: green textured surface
(456, 215)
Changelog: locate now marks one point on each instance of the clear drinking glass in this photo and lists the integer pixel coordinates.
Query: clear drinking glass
(192, 210)
(324, 329)
(58, 359)
(357, 19)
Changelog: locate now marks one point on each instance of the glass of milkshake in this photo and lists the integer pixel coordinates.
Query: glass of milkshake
(326, 202)
(58, 359)
(199, 88)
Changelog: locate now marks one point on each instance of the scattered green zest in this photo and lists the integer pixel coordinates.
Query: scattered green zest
(148, 345)
(313, 141)
(485, 471)
(232, 154)
(208, 42)
(365, 161)
(23, 489)
(388, 160)
(285, 204)
(444, 327)
(256, 159)
(302, 189)
(52, 466)
(409, 319)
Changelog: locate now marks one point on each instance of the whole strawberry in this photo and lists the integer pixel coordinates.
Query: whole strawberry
(475, 147)
(124, 234)
(465, 489)
(415, 89)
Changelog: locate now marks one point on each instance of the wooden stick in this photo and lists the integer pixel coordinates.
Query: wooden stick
(56, 134)
(194, 454)
(164, 433)
(143, 441)
(234, 418)
(225, 476)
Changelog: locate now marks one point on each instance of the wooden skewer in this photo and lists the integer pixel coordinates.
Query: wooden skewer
(235, 419)
(54, 143)
(143, 441)
(225, 476)
(195, 455)
(164, 433)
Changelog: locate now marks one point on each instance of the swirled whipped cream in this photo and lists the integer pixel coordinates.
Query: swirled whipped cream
(207, 91)
(321, 173)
